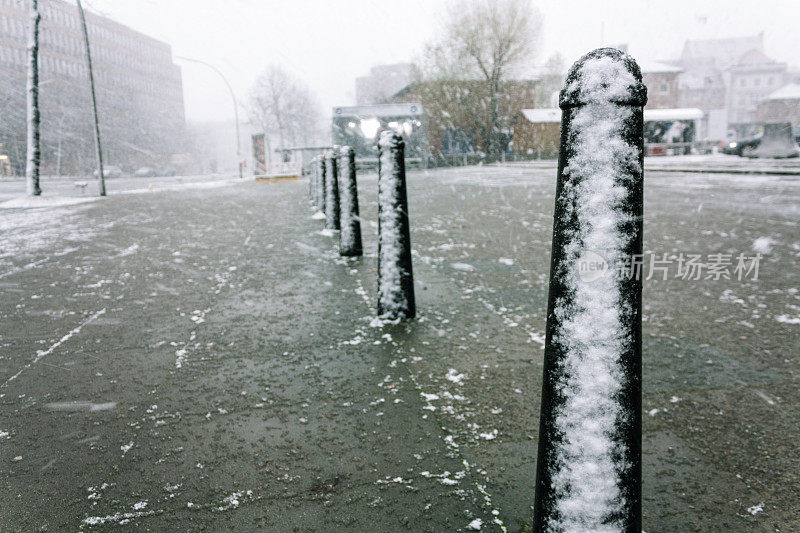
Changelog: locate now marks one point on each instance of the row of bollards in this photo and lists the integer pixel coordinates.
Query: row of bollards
(333, 189)
(589, 464)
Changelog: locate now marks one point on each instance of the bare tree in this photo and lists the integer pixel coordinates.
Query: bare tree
(34, 142)
(284, 107)
(552, 78)
(469, 72)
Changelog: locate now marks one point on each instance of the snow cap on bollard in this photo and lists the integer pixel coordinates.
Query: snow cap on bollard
(350, 244)
(604, 75)
(589, 462)
(332, 214)
(395, 278)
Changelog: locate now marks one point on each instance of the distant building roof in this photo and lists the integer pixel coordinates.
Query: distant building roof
(787, 92)
(725, 52)
(542, 115)
(655, 67)
(680, 113)
(379, 110)
(754, 57)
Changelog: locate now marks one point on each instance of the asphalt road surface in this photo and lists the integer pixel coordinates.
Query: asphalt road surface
(197, 356)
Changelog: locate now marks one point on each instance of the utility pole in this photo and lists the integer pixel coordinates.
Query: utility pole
(235, 109)
(94, 102)
(34, 154)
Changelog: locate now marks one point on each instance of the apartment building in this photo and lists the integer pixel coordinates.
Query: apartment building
(139, 91)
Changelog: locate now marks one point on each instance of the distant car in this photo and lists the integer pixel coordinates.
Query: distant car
(742, 147)
(165, 171)
(111, 171)
(145, 172)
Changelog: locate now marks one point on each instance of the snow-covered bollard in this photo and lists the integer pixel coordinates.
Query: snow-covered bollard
(321, 182)
(589, 463)
(350, 236)
(395, 278)
(317, 192)
(331, 190)
(312, 182)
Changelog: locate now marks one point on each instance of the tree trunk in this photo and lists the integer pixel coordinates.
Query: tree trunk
(34, 148)
(495, 147)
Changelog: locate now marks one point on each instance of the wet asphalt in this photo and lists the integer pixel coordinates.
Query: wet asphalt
(202, 359)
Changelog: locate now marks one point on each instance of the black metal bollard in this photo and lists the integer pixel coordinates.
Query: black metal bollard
(589, 467)
(318, 169)
(395, 277)
(332, 191)
(350, 237)
(312, 182)
(323, 182)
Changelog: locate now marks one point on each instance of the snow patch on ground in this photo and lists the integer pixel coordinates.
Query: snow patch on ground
(25, 232)
(464, 267)
(232, 501)
(28, 202)
(455, 377)
(217, 184)
(130, 250)
(763, 245)
(756, 509)
(119, 518)
(475, 525)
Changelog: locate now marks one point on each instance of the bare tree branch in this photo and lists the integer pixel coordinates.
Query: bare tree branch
(467, 76)
(284, 107)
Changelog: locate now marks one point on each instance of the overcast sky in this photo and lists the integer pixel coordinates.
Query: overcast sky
(328, 43)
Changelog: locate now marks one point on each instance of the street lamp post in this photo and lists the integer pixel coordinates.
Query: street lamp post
(235, 107)
(98, 147)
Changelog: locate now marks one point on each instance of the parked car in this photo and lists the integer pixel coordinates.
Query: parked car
(165, 171)
(111, 171)
(145, 172)
(742, 147)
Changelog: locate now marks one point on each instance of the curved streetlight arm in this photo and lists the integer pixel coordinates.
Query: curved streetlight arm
(235, 106)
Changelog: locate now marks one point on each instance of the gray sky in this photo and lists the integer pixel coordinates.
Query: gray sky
(327, 43)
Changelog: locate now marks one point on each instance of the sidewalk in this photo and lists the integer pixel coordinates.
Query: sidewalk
(204, 359)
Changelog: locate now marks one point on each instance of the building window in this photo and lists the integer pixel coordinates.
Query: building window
(663, 88)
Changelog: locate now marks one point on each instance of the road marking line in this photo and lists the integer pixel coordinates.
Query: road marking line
(43, 353)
